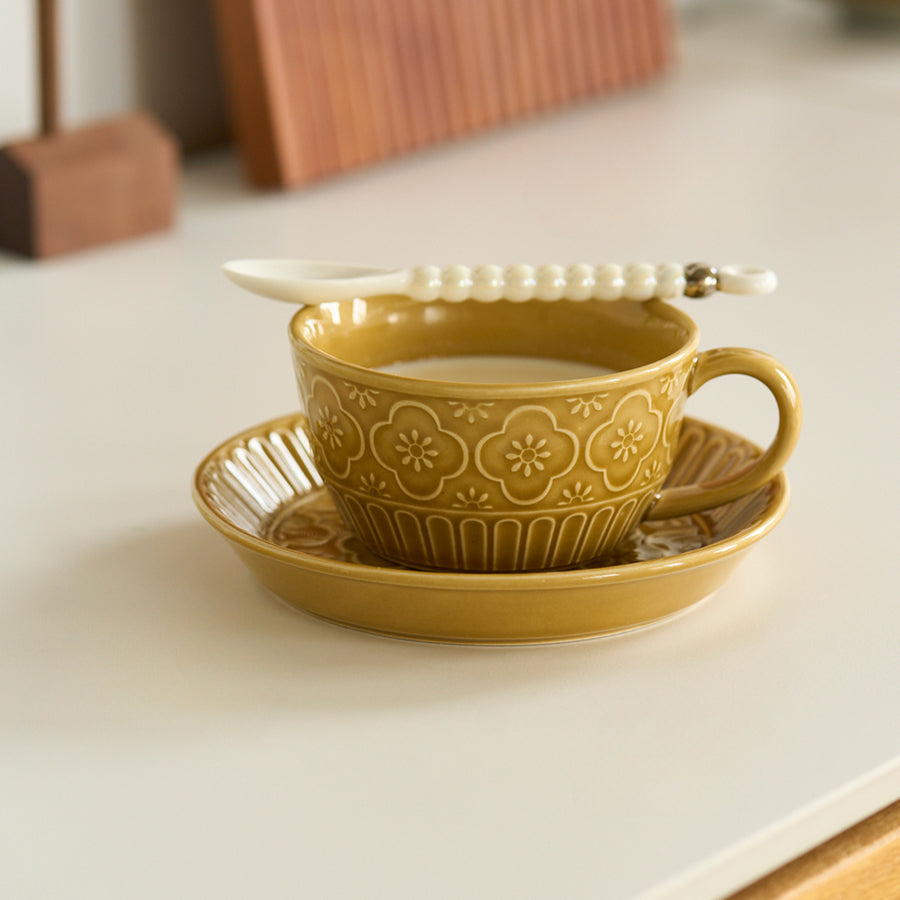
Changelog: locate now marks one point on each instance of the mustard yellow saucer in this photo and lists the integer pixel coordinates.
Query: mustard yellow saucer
(261, 490)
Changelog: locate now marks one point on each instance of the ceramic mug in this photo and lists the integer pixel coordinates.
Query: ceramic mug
(523, 475)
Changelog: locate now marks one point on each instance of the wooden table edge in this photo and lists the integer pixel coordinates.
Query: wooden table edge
(861, 863)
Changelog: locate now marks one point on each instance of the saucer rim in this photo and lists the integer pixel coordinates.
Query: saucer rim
(555, 579)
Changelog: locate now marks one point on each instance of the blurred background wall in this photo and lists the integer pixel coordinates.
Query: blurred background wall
(116, 55)
(160, 55)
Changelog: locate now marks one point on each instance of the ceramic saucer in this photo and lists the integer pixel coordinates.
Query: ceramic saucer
(262, 492)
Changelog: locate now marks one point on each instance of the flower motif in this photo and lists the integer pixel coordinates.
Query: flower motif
(471, 411)
(337, 437)
(527, 455)
(578, 494)
(371, 484)
(618, 448)
(328, 427)
(586, 406)
(653, 472)
(363, 396)
(629, 438)
(668, 383)
(416, 450)
(472, 499)
(304, 530)
(420, 454)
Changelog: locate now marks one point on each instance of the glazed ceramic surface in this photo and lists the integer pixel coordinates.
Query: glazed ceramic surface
(511, 477)
(262, 491)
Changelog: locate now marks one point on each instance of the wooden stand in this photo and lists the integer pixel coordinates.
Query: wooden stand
(65, 191)
(317, 87)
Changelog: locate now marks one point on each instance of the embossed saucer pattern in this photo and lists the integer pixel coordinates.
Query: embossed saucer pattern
(262, 492)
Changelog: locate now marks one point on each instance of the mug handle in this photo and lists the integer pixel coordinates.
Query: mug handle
(692, 498)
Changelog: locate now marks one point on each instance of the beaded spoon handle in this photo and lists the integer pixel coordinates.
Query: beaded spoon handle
(307, 282)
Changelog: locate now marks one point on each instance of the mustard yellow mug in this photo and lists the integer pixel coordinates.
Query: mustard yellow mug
(512, 436)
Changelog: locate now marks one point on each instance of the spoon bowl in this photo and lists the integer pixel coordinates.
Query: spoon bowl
(309, 282)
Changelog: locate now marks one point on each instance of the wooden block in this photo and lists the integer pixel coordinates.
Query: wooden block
(75, 189)
(317, 87)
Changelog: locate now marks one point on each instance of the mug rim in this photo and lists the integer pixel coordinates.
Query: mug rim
(390, 381)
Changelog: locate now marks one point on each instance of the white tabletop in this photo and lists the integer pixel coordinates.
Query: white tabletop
(169, 729)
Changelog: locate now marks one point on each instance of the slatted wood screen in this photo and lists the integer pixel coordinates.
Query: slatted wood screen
(317, 87)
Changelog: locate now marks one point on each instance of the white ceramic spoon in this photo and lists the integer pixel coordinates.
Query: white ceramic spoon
(307, 282)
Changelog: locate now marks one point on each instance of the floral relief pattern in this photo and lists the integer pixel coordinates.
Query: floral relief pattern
(419, 453)
(416, 450)
(619, 447)
(328, 426)
(372, 484)
(584, 407)
(496, 478)
(668, 383)
(673, 394)
(629, 439)
(334, 427)
(653, 472)
(472, 499)
(304, 531)
(314, 526)
(527, 455)
(471, 411)
(363, 396)
(577, 494)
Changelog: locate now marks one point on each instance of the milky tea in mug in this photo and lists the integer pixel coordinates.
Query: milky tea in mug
(486, 369)
(505, 437)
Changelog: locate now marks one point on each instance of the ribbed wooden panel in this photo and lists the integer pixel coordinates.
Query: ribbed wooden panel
(317, 87)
